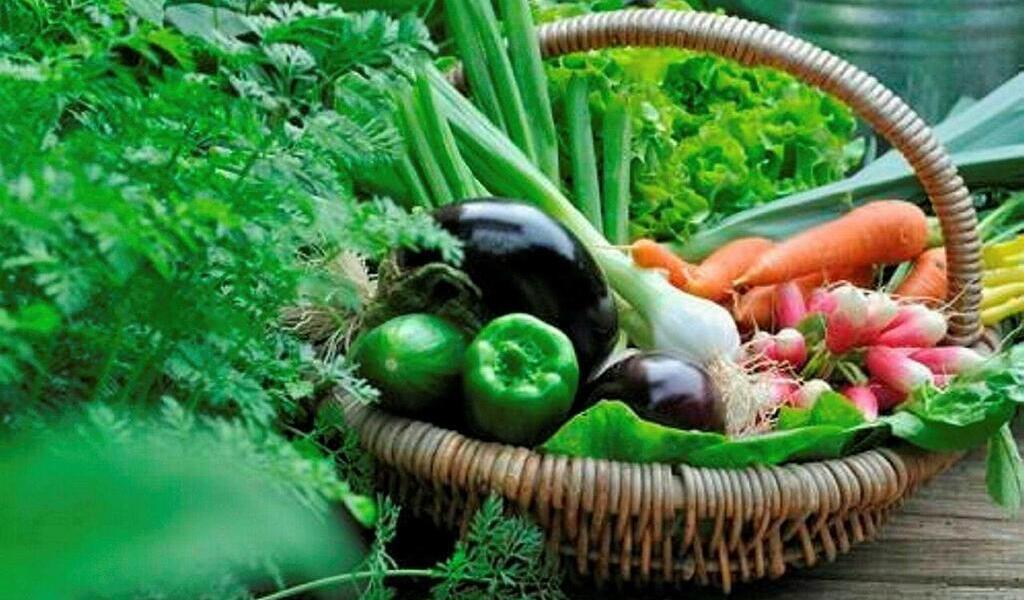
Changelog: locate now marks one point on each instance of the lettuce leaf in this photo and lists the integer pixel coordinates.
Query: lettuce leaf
(711, 137)
(611, 430)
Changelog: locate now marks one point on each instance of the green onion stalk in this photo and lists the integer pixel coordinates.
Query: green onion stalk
(670, 319)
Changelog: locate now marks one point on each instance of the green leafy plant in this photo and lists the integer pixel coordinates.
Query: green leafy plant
(501, 557)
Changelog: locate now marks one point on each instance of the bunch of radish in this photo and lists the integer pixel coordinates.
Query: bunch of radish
(862, 343)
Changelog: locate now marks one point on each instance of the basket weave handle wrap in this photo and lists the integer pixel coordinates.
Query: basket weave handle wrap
(757, 44)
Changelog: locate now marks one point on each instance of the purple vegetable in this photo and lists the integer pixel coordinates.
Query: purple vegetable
(664, 388)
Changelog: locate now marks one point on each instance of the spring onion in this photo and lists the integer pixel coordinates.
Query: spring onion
(617, 156)
(524, 52)
(586, 189)
(420, 149)
(665, 317)
(474, 61)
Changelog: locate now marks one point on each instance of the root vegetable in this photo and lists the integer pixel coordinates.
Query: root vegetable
(947, 360)
(915, 325)
(845, 324)
(864, 399)
(882, 232)
(927, 278)
(899, 372)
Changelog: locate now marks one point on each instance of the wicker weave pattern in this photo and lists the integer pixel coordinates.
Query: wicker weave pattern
(650, 522)
(676, 523)
(757, 44)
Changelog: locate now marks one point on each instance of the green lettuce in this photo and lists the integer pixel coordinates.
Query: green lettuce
(712, 137)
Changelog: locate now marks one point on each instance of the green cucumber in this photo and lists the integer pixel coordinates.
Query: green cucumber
(414, 360)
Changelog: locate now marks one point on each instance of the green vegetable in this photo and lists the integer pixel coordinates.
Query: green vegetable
(485, 24)
(987, 145)
(617, 156)
(520, 379)
(1004, 473)
(711, 137)
(585, 186)
(611, 430)
(414, 360)
(524, 51)
(420, 148)
(474, 60)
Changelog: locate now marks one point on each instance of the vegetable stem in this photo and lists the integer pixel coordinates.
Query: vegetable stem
(474, 61)
(617, 139)
(524, 49)
(347, 578)
(417, 191)
(482, 16)
(581, 150)
(442, 141)
(419, 146)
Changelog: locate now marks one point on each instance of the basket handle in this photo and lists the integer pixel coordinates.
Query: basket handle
(756, 44)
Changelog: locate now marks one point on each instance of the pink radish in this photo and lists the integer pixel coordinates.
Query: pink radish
(790, 307)
(781, 389)
(943, 360)
(916, 326)
(943, 379)
(864, 399)
(787, 346)
(881, 311)
(790, 347)
(843, 325)
(887, 397)
(808, 393)
(895, 370)
(821, 301)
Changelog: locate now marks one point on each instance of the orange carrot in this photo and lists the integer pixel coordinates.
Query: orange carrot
(927, 278)
(713, 278)
(649, 254)
(755, 309)
(882, 232)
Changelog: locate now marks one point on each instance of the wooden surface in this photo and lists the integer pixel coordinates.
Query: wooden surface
(948, 541)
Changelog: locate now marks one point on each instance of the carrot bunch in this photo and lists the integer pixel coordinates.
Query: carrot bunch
(746, 273)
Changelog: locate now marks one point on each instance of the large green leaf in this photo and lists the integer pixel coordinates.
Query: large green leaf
(611, 430)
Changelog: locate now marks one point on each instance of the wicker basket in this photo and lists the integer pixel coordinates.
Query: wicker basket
(675, 523)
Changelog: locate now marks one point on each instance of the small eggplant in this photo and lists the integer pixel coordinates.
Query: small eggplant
(664, 388)
(524, 261)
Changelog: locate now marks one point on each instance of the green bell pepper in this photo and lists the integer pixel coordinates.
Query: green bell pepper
(520, 379)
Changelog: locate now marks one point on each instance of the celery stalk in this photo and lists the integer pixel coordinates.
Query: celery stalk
(617, 138)
(524, 51)
(586, 189)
